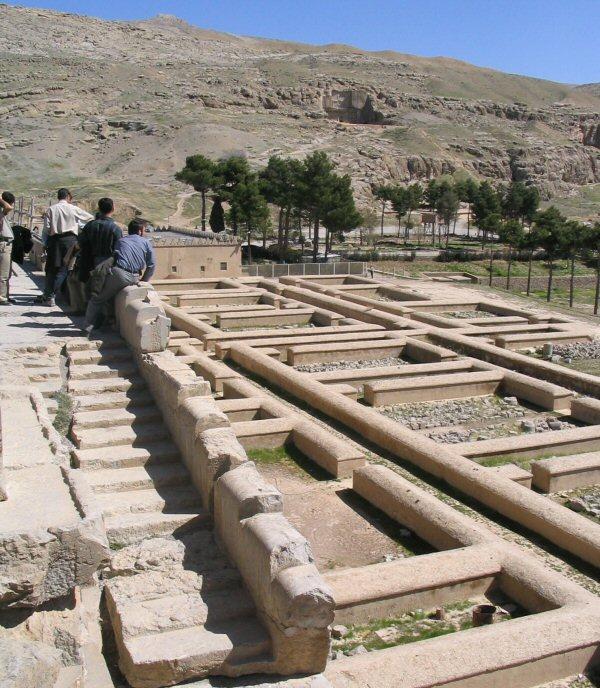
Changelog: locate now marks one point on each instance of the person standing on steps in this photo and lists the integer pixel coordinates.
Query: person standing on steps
(133, 260)
(97, 239)
(7, 202)
(62, 222)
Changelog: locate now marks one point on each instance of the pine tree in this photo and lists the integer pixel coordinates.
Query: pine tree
(199, 173)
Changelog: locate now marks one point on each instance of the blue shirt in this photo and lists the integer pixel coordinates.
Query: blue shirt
(135, 254)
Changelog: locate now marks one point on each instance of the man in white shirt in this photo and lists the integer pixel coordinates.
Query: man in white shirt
(7, 201)
(62, 222)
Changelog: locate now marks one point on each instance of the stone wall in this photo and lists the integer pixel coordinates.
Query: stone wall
(275, 561)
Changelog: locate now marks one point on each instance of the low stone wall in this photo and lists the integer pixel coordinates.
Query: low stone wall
(141, 318)
(274, 559)
(512, 360)
(554, 522)
(566, 472)
(561, 635)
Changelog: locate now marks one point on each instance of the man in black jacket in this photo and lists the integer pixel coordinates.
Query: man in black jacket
(98, 238)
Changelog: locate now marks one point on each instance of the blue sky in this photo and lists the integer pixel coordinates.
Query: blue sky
(551, 39)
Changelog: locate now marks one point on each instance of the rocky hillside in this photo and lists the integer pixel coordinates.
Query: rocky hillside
(116, 106)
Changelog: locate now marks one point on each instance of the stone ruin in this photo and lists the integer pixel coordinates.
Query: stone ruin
(165, 523)
(352, 106)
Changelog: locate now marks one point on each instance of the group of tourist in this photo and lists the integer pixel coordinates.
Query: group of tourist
(88, 254)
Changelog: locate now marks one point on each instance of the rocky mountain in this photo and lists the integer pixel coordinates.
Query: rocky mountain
(116, 106)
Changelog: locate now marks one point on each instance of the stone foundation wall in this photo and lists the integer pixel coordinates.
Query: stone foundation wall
(275, 561)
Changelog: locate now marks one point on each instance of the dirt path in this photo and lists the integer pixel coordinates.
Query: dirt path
(177, 219)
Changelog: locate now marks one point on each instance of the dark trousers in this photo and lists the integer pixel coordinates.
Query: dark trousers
(116, 279)
(55, 278)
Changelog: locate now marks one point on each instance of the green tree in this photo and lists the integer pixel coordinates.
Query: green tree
(573, 241)
(315, 187)
(530, 204)
(229, 174)
(415, 198)
(467, 190)
(399, 198)
(199, 173)
(486, 203)
(520, 202)
(279, 184)
(383, 193)
(529, 244)
(447, 207)
(216, 219)
(249, 209)
(511, 233)
(512, 200)
(592, 243)
(491, 224)
(549, 232)
(342, 215)
(433, 191)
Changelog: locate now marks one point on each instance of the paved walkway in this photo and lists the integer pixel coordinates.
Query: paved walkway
(28, 324)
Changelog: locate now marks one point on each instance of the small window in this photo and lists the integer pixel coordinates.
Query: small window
(202, 268)
(223, 266)
(173, 268)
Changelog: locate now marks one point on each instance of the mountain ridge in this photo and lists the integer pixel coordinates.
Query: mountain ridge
(116, 107)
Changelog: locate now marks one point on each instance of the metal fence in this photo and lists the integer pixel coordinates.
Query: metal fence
(28, 211)
(303, 269)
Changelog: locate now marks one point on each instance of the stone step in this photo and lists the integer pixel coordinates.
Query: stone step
(109, 418)
(111, 384)
(125, 456)
(173, 612)
(156, 583)
(112, 400)
(103, 342)
(138, 478)
(171, 500)
(102, 371)
(49, 388)
(39, 374)
(136, 436)
(97, 356)
(194, 652)
(126, 529)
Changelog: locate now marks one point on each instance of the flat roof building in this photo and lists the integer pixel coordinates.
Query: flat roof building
(182, 252)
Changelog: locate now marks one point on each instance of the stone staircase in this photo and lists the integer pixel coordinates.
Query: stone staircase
(178, 609)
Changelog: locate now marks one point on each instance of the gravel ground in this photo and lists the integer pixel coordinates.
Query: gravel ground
(267, 327)
(489, 432)
(584, 500)
(577, 351)
(464, 315)
(351, 365)
(433, 414)
(462, 418)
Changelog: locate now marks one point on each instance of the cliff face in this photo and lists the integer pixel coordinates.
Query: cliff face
(117, 106)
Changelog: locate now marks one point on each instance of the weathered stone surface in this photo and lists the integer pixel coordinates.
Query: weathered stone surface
(26, 664)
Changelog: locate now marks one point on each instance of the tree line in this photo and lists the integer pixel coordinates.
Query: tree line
(487, 206)
(308, 191)
(311, 192)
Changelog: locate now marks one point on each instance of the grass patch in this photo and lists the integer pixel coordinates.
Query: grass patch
(413, 627)
(64, 413)
(290, 457)
(501, 459)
